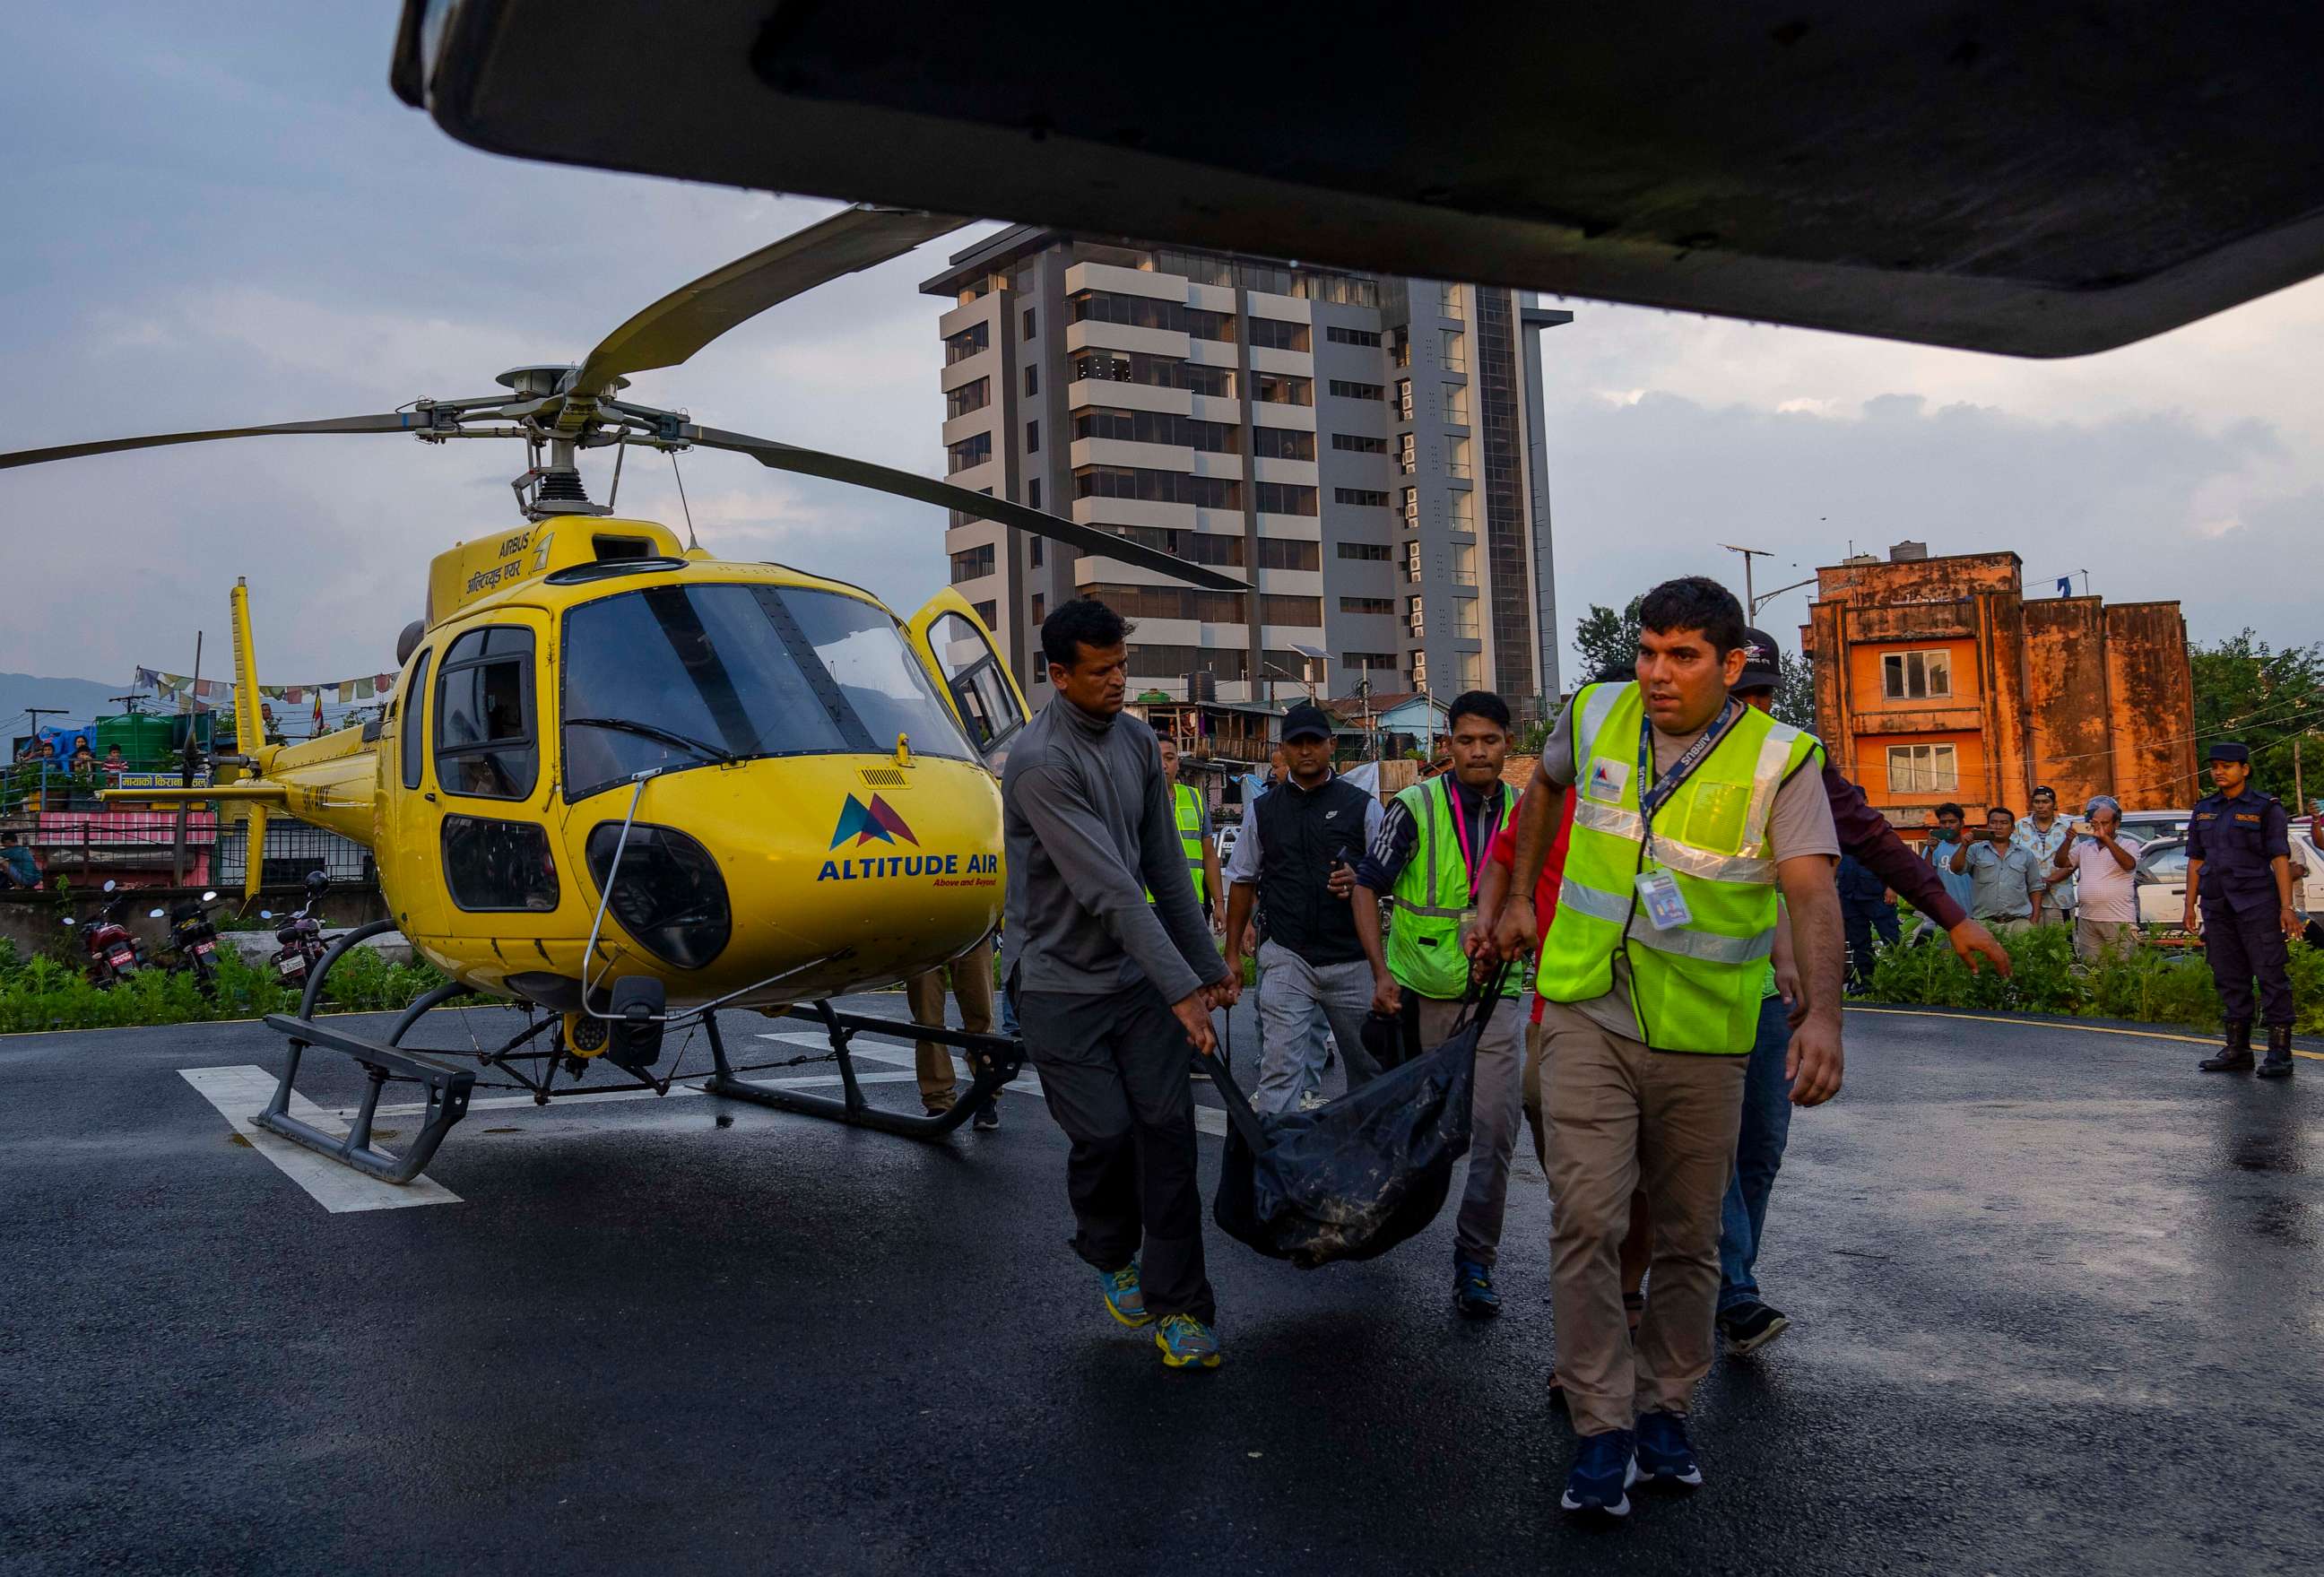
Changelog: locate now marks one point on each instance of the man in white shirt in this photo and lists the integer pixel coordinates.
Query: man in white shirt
(2044, 834)
(2107, 915)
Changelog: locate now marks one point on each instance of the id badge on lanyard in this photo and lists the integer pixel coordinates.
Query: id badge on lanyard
(1666, 906)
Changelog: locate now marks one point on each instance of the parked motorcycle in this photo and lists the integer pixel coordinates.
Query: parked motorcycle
(192, 938)
(114, 954)
(300, 935)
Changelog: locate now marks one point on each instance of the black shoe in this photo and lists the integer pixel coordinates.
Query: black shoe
(1748, 1327)
(988, 1116)
(2278, 1062)
(2235, 1056)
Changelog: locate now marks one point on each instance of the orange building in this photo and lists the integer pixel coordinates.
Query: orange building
(1937, 679)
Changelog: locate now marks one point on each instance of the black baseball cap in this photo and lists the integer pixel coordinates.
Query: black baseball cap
(1761, 670)
(1304, 720)
(2227, 750)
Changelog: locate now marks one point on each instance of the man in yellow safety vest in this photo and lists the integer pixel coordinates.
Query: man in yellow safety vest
(1691, 812)
(1195, 836)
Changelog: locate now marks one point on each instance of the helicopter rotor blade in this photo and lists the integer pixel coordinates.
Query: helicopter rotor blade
(690, 317)
(389, 422)
(1090, 539)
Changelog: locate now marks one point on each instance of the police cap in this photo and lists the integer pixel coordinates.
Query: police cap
(2227, 750)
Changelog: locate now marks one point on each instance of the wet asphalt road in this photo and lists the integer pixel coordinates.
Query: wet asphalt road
(2059, 1306)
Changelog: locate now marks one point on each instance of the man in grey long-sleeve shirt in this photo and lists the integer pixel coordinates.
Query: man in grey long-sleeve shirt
(1111, 989)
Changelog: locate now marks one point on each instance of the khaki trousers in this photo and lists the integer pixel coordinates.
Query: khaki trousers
(972, 988)
(1618, 1117)
(1493, 1109)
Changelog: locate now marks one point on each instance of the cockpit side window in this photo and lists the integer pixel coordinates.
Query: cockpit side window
(487, 738)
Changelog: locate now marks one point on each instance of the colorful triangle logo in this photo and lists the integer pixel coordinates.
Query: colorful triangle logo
(874, 823)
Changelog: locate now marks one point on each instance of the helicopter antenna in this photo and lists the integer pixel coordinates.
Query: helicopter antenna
(674, 471)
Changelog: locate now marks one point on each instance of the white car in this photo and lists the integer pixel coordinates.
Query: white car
(2144, 826)
(1227, 835)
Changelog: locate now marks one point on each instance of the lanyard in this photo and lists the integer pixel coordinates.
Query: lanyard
(1461, 829)
(1651, 799)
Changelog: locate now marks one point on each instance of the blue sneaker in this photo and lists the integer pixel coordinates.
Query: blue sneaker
(1125, 1300)
(1665, 1457)
(1604, 1468)
(1472, 1290)
(1187, 1342)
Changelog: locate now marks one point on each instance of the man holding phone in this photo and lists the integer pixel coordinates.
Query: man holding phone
(2006, 884)
(1297, 853)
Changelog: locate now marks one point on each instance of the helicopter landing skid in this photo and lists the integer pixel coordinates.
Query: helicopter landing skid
(993, 1060)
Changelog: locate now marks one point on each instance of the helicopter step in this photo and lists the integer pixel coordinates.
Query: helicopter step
(993, 1060)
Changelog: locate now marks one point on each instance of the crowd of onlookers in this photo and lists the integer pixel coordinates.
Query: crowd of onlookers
(2013, 875)
(80, 761)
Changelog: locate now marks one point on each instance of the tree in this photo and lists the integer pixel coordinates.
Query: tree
(2246, 690)
(1605, 639)
(1795, 694)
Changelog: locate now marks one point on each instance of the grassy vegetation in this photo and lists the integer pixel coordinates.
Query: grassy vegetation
(41, 993)
(2148, 985)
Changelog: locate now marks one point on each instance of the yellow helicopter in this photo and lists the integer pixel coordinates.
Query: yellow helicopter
(624, 784)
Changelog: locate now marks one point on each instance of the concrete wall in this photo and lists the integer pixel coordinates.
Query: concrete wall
(2152, 685)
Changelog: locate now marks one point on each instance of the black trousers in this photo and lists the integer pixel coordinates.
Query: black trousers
(2240, 944)
(1114, 1071)
(1860, 929)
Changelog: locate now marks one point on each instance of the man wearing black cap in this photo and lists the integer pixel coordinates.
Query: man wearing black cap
(1297, 853)
(2239, 864)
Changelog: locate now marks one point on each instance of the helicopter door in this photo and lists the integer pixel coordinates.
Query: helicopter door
(977, 683)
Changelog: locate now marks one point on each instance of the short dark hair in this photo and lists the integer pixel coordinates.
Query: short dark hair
(1949, 809)
(1481, 704)
(1993, 810)
(1694, 602)
(1083, 621)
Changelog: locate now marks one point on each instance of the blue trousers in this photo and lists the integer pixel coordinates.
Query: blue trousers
(1758, 1156)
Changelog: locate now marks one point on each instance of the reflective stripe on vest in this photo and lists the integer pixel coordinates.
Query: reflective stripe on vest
(1695, 987)
(1189, 806)
(1430, 896)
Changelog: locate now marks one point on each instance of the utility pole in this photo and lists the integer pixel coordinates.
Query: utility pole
(2298, 790)
(1749, 601)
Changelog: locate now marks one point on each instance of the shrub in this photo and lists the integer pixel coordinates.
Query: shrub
(42, 993)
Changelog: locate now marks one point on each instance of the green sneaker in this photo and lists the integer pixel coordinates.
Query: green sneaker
(1187, 1343)
(1125, 1300)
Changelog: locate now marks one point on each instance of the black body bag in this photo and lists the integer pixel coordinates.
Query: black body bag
(1359, 1175)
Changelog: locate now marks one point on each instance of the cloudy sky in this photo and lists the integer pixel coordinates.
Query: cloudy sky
(219, 215)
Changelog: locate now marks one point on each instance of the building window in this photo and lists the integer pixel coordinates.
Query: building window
(1147, 312)
(1282, 443)
(1028, 323)
(1375, 552)
(1922, 769)
(1369, 661)
(1455, 351)
(1916, 676)
(1448, 301)
(1158, 427)
(1337, 336)
(1307, 612)
(1284, 498)
(972, 562)
(969, 397)
(1344, 389)
(1368, 605)
(1274, 334)
(497, 866)
(1032, 438)
(960, 346)
(1358, 443)
(1162, 486)
(1172, 602)
(1282, 389)
(1040, 607)
(1032, 380)
(1033, 494)
(1364, 496)
(1456, 405)
(1473, 670)
(1114, 366)
(1290, 553)
(973, 450)
(988, 614)
(1200, 547)
(1035, 547)
(1456, 457)
(1408, 454)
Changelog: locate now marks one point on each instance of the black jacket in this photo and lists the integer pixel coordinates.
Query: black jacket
(1301, 836)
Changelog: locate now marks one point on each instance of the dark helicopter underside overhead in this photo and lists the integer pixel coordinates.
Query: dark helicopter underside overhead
(2037, 179)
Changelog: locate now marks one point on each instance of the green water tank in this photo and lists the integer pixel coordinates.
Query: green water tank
(145, 738)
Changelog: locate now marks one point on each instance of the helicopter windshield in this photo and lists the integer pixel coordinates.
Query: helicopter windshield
(747, 670)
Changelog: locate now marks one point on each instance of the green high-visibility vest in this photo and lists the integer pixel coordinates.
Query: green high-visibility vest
(1432, 892)
(1190, 837)
(1695, 987)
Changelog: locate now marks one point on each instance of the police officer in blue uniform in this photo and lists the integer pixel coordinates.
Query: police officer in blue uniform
(2239, 866)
